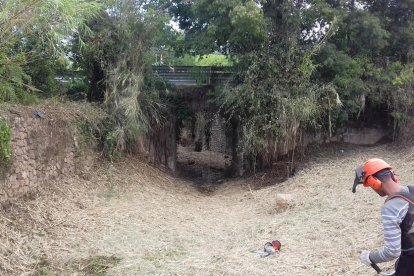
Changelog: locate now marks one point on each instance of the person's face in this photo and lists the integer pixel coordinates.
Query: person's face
(380, 192)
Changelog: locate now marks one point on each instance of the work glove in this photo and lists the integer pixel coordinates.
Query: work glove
(364, 257)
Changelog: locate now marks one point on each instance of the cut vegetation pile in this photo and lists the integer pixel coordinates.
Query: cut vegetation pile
(132, 219)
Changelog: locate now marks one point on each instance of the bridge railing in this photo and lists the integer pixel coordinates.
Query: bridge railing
(194, 75)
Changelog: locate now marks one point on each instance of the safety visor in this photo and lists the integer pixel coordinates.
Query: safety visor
(385, 172)
(359, 177)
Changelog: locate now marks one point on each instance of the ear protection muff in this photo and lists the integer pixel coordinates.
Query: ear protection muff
(373, 183)
(394, 177)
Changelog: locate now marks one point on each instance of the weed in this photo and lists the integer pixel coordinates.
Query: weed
(96, 265)
(87, 132)
(6, 152)
(112, 190)
(160, 256)
(43, 268)
(43, 271)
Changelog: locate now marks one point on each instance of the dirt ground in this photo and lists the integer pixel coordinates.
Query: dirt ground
(146, 222)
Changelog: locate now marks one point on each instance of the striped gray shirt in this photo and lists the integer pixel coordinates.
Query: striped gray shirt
(393, 213)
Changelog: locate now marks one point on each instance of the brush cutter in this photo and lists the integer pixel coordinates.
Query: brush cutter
(380, 272)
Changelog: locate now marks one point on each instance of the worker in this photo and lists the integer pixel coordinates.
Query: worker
(397, 216)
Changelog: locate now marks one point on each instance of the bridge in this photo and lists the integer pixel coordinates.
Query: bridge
(194, 75)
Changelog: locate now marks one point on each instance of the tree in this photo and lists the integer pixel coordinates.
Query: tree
(399, 19)
(361, 33)
(227, 26)
(369, 45)
(50, 21)
(273, 98)
(117, 57)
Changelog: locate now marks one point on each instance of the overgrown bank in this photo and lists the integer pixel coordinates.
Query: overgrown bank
(298, 67)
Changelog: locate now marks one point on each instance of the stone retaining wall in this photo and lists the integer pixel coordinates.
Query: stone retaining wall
(43, 148)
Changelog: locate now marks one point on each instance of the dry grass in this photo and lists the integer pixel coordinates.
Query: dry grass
(54, 108)
(159, 225)
(34, 228)
(209, 159)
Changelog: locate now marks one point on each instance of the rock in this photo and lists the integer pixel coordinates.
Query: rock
(19, 176)
(365, 136)
(284, 200)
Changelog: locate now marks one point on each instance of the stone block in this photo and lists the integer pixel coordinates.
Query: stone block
(365, 136)
(284, 201)
(15, 185)
(19, 176)
(12, 178)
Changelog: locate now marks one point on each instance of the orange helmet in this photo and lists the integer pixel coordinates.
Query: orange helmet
(373, 166)
(365, 174)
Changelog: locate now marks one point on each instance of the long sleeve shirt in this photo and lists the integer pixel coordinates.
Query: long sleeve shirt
(392, 213)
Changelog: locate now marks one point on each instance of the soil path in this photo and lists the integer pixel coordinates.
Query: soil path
(160, 225)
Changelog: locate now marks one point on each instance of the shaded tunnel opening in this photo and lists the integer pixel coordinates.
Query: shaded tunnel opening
(203, 139)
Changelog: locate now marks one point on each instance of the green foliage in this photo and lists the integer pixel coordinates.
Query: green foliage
(110, 145)
(248, 25)
(398, 84)
(5, 143)
(228, 26)
(88, 132)
(345, 74)
(92, 266)
(273, 98)
(205, 60)
(97, 131)
(361, 33)
(42, 65)
(184, 112)
(99, 265)
(95, 51)
(273, 102)
(398, 19)
(55, 19)
(121, 75)
(299, 64)
(214, 60)
(96, 265)
(12, 75)
(99, 134)
(360, 62)
(77, 90)
(31, 34)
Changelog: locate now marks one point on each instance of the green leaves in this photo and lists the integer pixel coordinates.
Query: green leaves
(121, 49)
(5, 143)
(361, 33)
(248, 22)
(228, 26)
(272, 102)
(55, 19)
(31, 40)
(405, 76)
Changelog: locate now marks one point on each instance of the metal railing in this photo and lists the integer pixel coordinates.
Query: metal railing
(194, 75)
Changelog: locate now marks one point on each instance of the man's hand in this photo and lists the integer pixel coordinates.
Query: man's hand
(364, 257)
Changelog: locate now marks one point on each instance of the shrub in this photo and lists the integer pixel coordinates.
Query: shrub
(5, 143)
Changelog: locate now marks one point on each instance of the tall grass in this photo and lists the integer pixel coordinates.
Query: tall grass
(132, 97)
